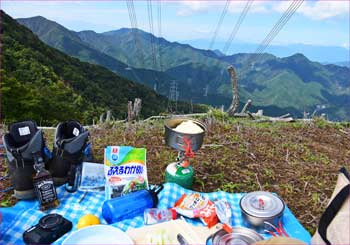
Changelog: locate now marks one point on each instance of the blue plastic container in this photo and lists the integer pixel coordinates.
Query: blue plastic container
(130, 205)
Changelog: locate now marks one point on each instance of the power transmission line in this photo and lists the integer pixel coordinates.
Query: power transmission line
(218, 25)
(237, 26)
(133, 23)
(132, 17)
(271, 36)
(276, 29)
(274, 32)
(235, 31)
(255, 57)
(154, 49)
(150, 20)
(132, 12)
(283, 19)
(160, 34)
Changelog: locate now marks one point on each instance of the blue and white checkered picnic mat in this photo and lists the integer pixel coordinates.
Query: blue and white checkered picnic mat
(17, 219)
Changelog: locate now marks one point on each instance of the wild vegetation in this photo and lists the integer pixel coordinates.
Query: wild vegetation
(298, 161)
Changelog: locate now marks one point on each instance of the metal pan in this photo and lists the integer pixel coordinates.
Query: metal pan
(175, 139)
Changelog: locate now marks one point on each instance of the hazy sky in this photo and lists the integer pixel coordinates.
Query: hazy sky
(316, 22)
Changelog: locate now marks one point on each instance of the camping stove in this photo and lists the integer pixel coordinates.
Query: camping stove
(186, 144)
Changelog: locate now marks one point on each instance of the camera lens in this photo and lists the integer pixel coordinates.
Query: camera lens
(50, 221)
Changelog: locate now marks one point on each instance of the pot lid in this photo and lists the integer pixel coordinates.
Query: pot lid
(239, 235)
(262, 204)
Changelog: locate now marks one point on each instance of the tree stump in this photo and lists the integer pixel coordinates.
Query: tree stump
(134, 109)
(108, 116)
(235, 95)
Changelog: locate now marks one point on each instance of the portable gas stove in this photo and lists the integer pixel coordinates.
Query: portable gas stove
(186, 144)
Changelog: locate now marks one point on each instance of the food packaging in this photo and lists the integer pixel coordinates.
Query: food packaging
(125, 170)
(197, 206)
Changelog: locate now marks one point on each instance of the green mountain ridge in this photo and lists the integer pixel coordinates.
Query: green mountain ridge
(291, 83)
(174, 53)
(72, 43)
(67, 41)
(46, 85)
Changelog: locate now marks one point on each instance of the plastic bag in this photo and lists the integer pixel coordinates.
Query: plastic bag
(197, 206)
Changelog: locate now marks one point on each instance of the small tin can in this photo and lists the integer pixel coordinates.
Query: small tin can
(239, 235)
(260, 207)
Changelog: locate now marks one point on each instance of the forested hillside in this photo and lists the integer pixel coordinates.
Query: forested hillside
(44, 84)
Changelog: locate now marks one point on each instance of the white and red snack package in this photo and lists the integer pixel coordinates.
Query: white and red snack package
(197, 206)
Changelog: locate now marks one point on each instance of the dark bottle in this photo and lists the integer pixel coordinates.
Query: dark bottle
(43, 184)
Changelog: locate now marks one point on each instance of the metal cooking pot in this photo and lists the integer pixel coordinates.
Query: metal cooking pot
(239, 235)
(260, 207)
(175, 139)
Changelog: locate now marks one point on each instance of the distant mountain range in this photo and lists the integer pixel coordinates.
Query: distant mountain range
(342, 63)
(46, 85)
(278, 85)
(323, 54)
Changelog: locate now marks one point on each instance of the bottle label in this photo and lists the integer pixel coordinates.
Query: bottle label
(45, 190)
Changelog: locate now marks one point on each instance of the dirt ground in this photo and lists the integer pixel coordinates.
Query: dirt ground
(298, 161)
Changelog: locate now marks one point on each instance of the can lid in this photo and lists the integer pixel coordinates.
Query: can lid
(239, 235)
(262, 204)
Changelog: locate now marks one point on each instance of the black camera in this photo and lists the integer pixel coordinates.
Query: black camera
(49, 229)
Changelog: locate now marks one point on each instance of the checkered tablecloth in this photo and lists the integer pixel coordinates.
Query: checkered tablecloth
(24, 214)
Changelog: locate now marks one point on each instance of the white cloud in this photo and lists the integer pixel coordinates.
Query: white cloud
(194, 7)
(324, 10)
(191, 7)
(257, 6)
(318, 10)
(345, 45)
(100, 16)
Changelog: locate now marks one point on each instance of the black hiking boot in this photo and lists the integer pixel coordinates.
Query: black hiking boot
(20, 142)
(70, 149)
